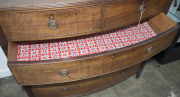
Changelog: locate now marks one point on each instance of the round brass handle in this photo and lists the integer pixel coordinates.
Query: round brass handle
(149, 50)
(64, 73)
(52, 24)
(142, 8)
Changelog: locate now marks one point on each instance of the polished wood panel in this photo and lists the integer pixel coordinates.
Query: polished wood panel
(28, 91)
(3, 41)
(27, 20)
(12, 51)
(84, 86)
(81, 20)
(161, 23)
(167, 6)
(39, 5)
(48, 72)
(172, 53)
(126, 12)
(34, 25)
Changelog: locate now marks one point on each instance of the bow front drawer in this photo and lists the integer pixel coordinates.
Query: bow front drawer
(70, 22)
(75, 47)
(50, 24)
(94, 64)
(129, 11)
(85, 86)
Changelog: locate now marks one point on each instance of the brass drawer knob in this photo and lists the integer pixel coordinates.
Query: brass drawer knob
(64, 89)
(142, 8)
(149, 50)
(52, 24)
(64, 73)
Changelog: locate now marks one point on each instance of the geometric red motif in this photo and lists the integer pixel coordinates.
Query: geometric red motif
(84, 45)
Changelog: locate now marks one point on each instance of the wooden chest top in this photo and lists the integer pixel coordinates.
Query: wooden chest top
(46, 4)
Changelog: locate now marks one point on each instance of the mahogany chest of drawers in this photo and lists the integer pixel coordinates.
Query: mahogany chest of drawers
(76, 47)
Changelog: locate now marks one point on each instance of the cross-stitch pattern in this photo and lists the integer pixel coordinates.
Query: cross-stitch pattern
(96, 43)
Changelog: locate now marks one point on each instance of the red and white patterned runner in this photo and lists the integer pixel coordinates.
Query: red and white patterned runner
(56, 49)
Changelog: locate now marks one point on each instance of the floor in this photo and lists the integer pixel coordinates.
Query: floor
(155, 81)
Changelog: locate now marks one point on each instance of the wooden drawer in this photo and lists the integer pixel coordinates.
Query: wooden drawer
(83, 67)
(84, 86)
(86, 73)
(127, 12)
(75, 21)
(34, 25)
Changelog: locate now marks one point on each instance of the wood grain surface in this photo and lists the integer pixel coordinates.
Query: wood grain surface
(39, 5)
(12, 51)
(28, 26)
(3, 41)
(167, 6)
(27, 20)
(122, 13)
(47, 72)
(71, 22)
(83, 87)
(161, 23)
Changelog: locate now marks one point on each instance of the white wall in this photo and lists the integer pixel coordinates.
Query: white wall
(173, 13)
(4, 70)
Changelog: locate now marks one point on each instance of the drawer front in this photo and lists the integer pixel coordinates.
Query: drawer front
(24, 26)
(59, 72)
(84, 86)
(123, 59)
(127, 12)
(35, 25)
